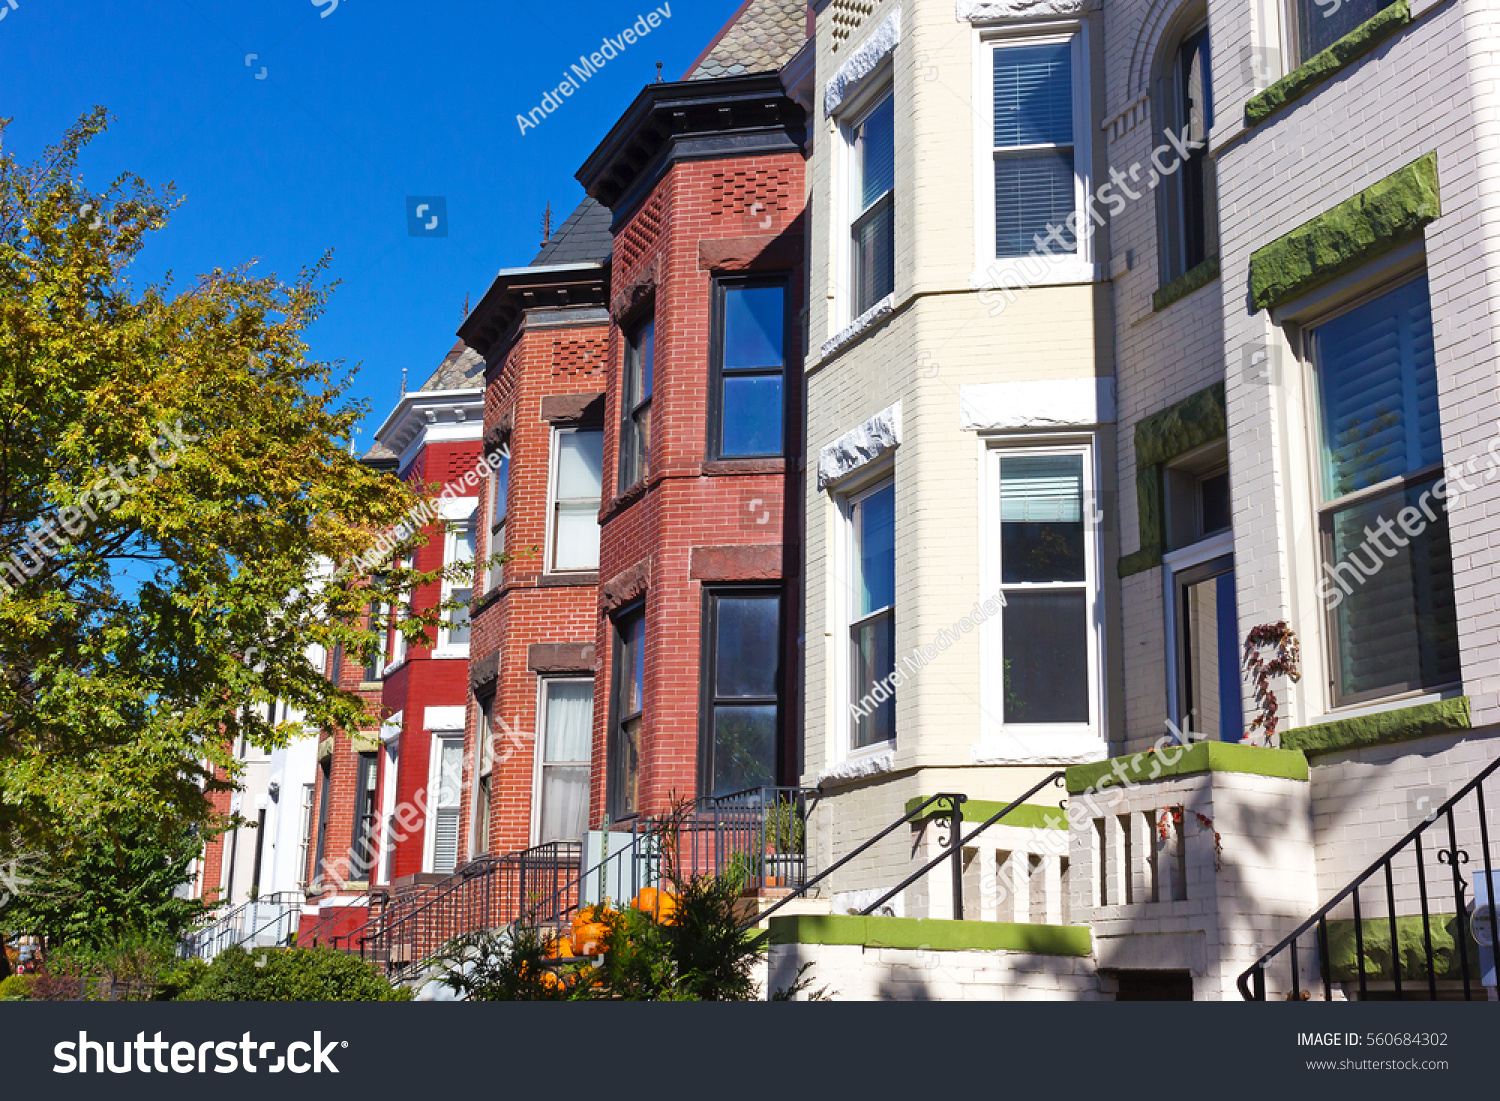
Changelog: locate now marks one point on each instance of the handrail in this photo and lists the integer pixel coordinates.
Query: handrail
(1256, 975)
(212, 933)
(801, 892)
(955, 852)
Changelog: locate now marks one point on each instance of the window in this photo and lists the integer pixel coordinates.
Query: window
(305, 832)
(635, 427)
(872, 148)
(1190, 197)
(484, 791)
(446, 800)
(335, 674)
(460, 549)
(1391, 614)
(872, 628)
(741, 690)
(627, 706)
(324, 796)
(567, 733)
(392, 828)
(1048, 578)
(749, 358)
(362, 845)
(576, 479)
(1317, 26)
(376, 619)
(1038, 95)
(499, 512)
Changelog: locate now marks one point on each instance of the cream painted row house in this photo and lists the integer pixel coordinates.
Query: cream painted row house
(1137, 329)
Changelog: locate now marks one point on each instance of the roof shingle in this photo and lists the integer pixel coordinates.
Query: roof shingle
(762, 37)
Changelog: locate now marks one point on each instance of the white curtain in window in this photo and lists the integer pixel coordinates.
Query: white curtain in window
(565, 760)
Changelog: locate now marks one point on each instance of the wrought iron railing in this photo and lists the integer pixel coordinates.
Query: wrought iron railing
(1408, 945)
(953, 848)
(484, 894)
(251, 922)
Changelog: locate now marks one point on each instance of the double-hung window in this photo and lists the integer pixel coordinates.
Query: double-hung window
(499, 509)
(325, 796)
(872, 232)
(1048, 574)
(1318, 24)
(563, 759)
(1038, 145)
(446, 801)
(1189, 194)
(305, 834)
(627, 706)
(362, 845)
(872, 626)
(1388, 569)
(635, 421)
(460, 591)
(741, 689)
(578, 463)
(484, 786)
(748, 364)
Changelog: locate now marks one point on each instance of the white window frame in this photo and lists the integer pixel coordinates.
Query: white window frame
(494, 537)
(846, 204)
(1080, 267)
(1175, 562)
(392, 764)
(434, 785)
(549, 549)
(484, 757)
(1039, 743)
(397, 647)
(539, 753)
(877, 478)
(451, 531)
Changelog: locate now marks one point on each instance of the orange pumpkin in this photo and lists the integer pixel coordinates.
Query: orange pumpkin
(589, 938)
(560, 948)
(551, 980)
(661, 905)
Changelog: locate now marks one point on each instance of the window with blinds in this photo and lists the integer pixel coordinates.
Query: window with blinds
(1035, 173)
(872, 628)
(1047, 578)
(1392, 622)
(873, 232)
(445, 802)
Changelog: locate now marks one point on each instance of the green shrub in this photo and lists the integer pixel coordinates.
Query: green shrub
(289, 975)
(16, 988)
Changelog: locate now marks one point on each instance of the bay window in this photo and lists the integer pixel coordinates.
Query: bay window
(872, 626)
(577, 467)
(458, 551)
(1388, 589)
(499, 510)
(1190, 194)
(445, 800)
(484, 791)
(362, 845)
(627, 707)
(741, 689)
(635, 402)
(748, 361)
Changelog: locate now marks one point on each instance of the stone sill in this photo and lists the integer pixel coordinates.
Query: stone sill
(1027, 815)
(1324, 66)
(1194, 279)
(934, 935)
(1382, 728)
(1176, 761)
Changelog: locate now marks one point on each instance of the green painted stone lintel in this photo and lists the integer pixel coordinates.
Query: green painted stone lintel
(931, 934)
(1027, 815)
(1323, 66)
(1163, 436)
(1176, 761)
(1388, 213)
(1381, 728)
(1195, 278)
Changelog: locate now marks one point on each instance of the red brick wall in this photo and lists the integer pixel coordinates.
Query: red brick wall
(683, 507)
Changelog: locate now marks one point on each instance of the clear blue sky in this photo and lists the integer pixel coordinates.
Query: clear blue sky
(376, 101)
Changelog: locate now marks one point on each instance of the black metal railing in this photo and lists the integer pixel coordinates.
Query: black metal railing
(953, 846)
(484, 894)
(247, 923)
(1408, 945)
(759, 834)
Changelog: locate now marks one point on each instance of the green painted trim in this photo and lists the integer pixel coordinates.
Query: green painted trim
(1027, 815)
(932, 935)
(1382, 728)
(1325, 66)
(1343, 956)
(1160, 438)
(1142, 768)
(1385, 214)
(1195, 278)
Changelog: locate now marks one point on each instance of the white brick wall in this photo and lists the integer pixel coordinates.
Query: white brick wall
(855, 973)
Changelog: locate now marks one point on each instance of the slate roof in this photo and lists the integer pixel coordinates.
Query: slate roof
(760, 38)
(583, 237)
(462, 369)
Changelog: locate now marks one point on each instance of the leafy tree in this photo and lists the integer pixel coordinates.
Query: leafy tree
(178, 509)
(289, 975)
